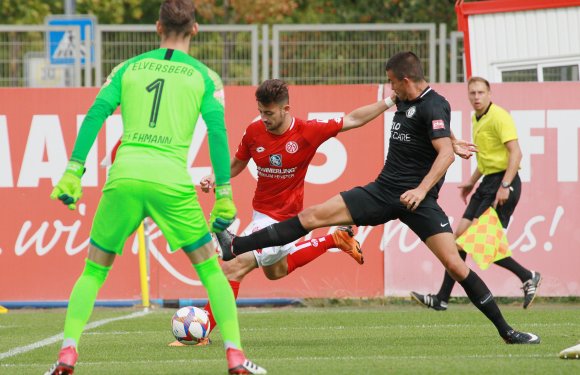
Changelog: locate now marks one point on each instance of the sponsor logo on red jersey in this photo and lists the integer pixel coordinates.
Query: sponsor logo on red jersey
(276, 160)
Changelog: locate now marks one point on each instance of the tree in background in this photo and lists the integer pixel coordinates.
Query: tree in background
(118, 11)
(243, 11)
(375, 11)
(222, 12)
(26, 12)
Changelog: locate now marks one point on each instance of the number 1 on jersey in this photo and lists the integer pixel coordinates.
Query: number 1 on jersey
(156, 86)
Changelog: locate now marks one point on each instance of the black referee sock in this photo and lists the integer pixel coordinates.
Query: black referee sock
(517, 269)
(482, 298)
(448, 282)
(273, 235)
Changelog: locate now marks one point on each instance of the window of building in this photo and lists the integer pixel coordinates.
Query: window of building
(522, 75)
(561, 73)
(541, 72)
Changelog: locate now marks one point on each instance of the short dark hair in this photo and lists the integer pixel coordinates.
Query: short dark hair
(177, 16)
(273, 91)
(406, 64)
(479, 79)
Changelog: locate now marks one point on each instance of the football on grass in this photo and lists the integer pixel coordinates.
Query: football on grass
(190, 325)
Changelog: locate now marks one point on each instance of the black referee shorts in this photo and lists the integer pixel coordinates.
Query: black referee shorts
(484, 196)
(376, 204)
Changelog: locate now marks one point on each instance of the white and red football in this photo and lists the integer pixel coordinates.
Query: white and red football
(190, 325)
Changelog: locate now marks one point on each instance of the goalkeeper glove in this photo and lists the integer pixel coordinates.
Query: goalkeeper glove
(223, 213)
(68, 189)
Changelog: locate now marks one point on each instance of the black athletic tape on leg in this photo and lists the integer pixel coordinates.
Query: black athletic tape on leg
(273, 235)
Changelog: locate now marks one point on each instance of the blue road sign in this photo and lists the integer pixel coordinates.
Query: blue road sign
(61, 44)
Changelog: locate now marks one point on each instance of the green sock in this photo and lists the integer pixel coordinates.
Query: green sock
(221, 299)
(82, 300)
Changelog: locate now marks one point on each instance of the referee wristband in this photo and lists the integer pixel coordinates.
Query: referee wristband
(389, 102)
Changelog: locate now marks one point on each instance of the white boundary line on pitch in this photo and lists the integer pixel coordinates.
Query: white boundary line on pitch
(60, 336)
(309, 359)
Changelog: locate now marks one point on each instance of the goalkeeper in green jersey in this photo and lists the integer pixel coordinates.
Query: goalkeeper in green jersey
(161, 94)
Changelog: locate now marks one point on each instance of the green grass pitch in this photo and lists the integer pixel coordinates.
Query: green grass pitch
(396, 339)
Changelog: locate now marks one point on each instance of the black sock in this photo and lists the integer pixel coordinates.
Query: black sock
(482, 298)
(273, 235)
(510, 264)
(448, 282)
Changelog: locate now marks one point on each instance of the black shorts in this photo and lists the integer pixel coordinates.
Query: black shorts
(484, 196)
(376, 204)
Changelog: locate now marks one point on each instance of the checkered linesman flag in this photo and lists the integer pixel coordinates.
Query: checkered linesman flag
(485, 240)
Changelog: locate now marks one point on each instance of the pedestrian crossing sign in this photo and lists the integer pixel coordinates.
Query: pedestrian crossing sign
(61, 44)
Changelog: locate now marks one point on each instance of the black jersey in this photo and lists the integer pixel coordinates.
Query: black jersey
(411, 153)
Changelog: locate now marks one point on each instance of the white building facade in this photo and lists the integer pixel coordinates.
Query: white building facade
(521, 40)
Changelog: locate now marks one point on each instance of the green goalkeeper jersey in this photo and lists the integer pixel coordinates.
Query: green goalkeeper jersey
(161, 93)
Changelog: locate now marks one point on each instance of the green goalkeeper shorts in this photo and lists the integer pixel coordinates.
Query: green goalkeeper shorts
(126, 202)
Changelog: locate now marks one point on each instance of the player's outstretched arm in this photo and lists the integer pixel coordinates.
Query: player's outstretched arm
(463, 149)
(363, 115)
(236, 167)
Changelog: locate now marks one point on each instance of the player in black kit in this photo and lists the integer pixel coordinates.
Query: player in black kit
(421, 149)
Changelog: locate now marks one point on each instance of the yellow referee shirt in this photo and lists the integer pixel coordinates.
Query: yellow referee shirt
(490, 133)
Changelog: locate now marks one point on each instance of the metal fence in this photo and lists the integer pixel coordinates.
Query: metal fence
(350, 53)
(457, 66)
(23, 60)
(230, 50)
(300, 54)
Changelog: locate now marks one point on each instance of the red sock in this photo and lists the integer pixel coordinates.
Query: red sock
(307, 251)
(235, 288)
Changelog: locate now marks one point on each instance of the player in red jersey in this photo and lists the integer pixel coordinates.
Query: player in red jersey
(282, 147)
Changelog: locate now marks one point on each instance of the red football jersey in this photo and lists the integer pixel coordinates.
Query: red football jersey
(282, 161)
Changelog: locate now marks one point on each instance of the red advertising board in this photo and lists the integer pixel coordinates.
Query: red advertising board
(43, 244)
